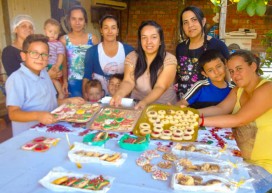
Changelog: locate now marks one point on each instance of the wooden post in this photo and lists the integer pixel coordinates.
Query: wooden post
(223, 16)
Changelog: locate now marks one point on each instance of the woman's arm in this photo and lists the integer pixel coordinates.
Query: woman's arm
(65, 68)
(258, 104)
(95, 39)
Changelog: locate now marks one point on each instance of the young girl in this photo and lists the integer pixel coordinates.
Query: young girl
(56, 52)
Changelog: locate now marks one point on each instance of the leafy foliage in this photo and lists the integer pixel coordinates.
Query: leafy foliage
(252, 7)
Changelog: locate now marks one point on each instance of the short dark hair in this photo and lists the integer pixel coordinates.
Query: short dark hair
(118, 76)
(93, 83)
(34, 38)
(248, 57)
(208, 56)
(199, 15)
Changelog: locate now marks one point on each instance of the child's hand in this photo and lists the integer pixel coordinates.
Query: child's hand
(76, 100)
(46, 118)
(116, 100)
(53, 73)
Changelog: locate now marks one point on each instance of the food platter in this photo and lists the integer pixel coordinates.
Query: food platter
(168, 122)
(115, 119)
(76, 113)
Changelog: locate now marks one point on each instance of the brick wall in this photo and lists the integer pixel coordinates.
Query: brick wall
(166, 13)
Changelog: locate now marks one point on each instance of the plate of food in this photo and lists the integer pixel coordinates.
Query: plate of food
(115, 119)
(168, 122)
(59, 179)
(76, 113)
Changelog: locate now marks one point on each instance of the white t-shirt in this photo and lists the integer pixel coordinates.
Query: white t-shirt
(110, 65)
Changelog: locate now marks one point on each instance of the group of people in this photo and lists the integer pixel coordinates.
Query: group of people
(202, 69)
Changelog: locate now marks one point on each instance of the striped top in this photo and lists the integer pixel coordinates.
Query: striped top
(204, 93)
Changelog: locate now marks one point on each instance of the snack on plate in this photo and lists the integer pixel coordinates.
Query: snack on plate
(165, 164)
(40, 144)
(97, 183)
(175, 124)
(141, 161)
(179, 148)
(170, 157)
(113, 119)
(100, 136)
(77, 113)
(150, 154)
(160, 175)
(82, 153)
(105, 157)
(29, 146)
(149, 168)
(41, 147)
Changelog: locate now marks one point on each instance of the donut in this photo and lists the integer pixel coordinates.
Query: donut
(189, 112)
(29, 146)
(144, 126)
(165, 121)
(167, 132)
(178, 132)
(157, 129)
(176, 137)
(172, 127)
(165, 137)
(178, 117)
(145, 131)
(155, 134)
(161, 112)
(180, 112)
(196, 116)
(187, 137)
(189, 131)
(160, 116)
(170, 112)
(153, 119)
(151, 114)
(158, 124)
(169, 117)
(194, 124)
(174, 121)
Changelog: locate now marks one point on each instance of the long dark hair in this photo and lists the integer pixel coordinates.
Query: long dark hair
(199, 15)
(248, 57)
(76, 7)
(157, 63)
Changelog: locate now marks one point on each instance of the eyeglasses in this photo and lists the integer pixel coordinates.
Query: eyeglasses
(36, 55)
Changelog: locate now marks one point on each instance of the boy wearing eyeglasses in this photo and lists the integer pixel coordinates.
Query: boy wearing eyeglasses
(56, 52)
(31, 95)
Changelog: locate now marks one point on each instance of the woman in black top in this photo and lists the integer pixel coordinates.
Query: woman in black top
(195, 42)
(22, 26)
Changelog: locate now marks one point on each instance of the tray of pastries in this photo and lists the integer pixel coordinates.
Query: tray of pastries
(115, 119)
(61, 180)
(76, 113)
(168, 122)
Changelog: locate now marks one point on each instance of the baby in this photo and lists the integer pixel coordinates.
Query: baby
(56, 52)
(94, 91)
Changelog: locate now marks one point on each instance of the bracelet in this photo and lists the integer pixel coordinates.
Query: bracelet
(202, 121)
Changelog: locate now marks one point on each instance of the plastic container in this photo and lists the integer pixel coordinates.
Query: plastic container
(88, 139)
(134, 147)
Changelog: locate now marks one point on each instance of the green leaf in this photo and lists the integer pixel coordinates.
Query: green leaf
(260, 8)
(251, 8)
(242, 4)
